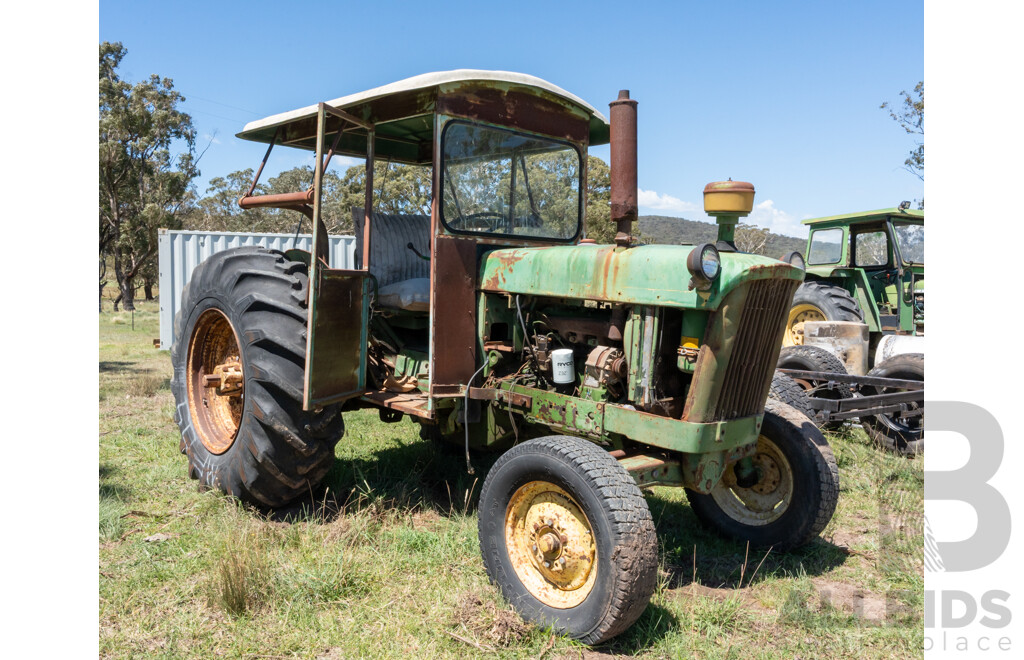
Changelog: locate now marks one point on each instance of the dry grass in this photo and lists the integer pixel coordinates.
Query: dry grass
(242, 578)
(145, 385)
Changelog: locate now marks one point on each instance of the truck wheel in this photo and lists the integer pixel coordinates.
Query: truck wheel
(566, 535)
(795, 494)
(788, 391)
(239, 355)
(904, 437)
(813, 358)
(819, 301)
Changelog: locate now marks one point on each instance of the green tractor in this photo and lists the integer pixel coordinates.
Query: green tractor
(865, 267)
(598, 370)
(861, 304)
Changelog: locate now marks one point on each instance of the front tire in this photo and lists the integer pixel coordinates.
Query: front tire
(815, 358)
(239, 355)
(791, 393)
(905, 437)
(566, 535)
(796, 492)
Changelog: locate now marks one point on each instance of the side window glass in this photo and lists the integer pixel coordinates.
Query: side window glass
(871, 249)
(826, 247)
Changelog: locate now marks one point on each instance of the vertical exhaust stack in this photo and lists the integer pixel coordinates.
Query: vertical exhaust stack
(623, 167)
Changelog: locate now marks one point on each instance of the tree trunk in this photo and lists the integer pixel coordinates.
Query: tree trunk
(103, 282)
(125, 284)
(147, 287)
(117, 301)
(128, 294)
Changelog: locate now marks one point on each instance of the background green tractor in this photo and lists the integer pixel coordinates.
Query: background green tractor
(862, 304)
(866, 267)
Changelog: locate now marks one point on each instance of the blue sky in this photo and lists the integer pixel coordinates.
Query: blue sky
(785, 95)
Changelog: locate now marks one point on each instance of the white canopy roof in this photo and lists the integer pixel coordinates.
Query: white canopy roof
(423, 81)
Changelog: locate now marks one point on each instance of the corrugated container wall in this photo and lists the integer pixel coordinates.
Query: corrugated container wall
(182, 251)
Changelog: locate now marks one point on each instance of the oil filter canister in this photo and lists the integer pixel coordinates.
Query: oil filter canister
(562, 366)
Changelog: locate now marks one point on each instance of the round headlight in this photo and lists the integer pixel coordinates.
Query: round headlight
(705, 264)
(796, 260)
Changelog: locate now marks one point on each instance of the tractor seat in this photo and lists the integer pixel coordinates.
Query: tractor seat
(411, 295)
(403, 278)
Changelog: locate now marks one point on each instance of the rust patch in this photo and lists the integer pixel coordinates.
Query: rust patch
(522, 109)
(506, 260)
(453, 314)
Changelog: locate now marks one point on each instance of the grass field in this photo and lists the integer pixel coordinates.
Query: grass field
(383, 561)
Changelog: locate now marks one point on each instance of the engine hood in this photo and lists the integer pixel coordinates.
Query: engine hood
(644, 275)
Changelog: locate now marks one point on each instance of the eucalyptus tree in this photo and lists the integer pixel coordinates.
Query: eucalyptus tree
(142, 186)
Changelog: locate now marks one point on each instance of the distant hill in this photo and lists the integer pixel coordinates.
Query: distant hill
(666, 230)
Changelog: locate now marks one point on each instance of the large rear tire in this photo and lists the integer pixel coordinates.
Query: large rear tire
(905, 437)
(566, 535)
(819, 301)
(239, 358)
(795, 494)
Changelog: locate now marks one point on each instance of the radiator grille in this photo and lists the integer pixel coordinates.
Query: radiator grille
(756, 349)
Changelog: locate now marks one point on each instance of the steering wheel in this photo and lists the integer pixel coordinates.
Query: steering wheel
(484, 221)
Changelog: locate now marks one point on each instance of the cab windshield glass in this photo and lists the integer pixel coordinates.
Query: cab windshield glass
(500, 182)
(910, 238)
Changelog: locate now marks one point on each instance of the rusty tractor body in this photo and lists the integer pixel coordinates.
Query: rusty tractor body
(598, 369)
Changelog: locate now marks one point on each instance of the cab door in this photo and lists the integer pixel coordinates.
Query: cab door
(339, 305)
(336, 331)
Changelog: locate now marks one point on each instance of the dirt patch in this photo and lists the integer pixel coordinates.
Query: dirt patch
(848, 539)
(337, 530)
(489, 623)
(852, 599)
(425, 520)
(586, 654)
(694, 590)
(856, 531)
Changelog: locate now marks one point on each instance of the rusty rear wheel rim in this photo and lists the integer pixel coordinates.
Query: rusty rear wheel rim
(550, 544)
(767, 500)
(798, 315)
(216, 383)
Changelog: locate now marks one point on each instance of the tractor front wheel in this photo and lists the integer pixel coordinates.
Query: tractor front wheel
(793, 495)
(566, 535)
(239, 355)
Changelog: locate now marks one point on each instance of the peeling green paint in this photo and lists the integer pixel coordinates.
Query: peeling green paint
(645, 275)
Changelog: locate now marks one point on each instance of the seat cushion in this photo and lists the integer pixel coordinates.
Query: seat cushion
(411, 295)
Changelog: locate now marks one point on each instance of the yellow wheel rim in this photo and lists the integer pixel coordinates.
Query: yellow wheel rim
(551, 544)
(216, 390)
(765, 501)
(799, 315)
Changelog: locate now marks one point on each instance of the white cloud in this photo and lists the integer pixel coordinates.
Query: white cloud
(347, 161)
(211, 138)
(658, 202)
(779, 222)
